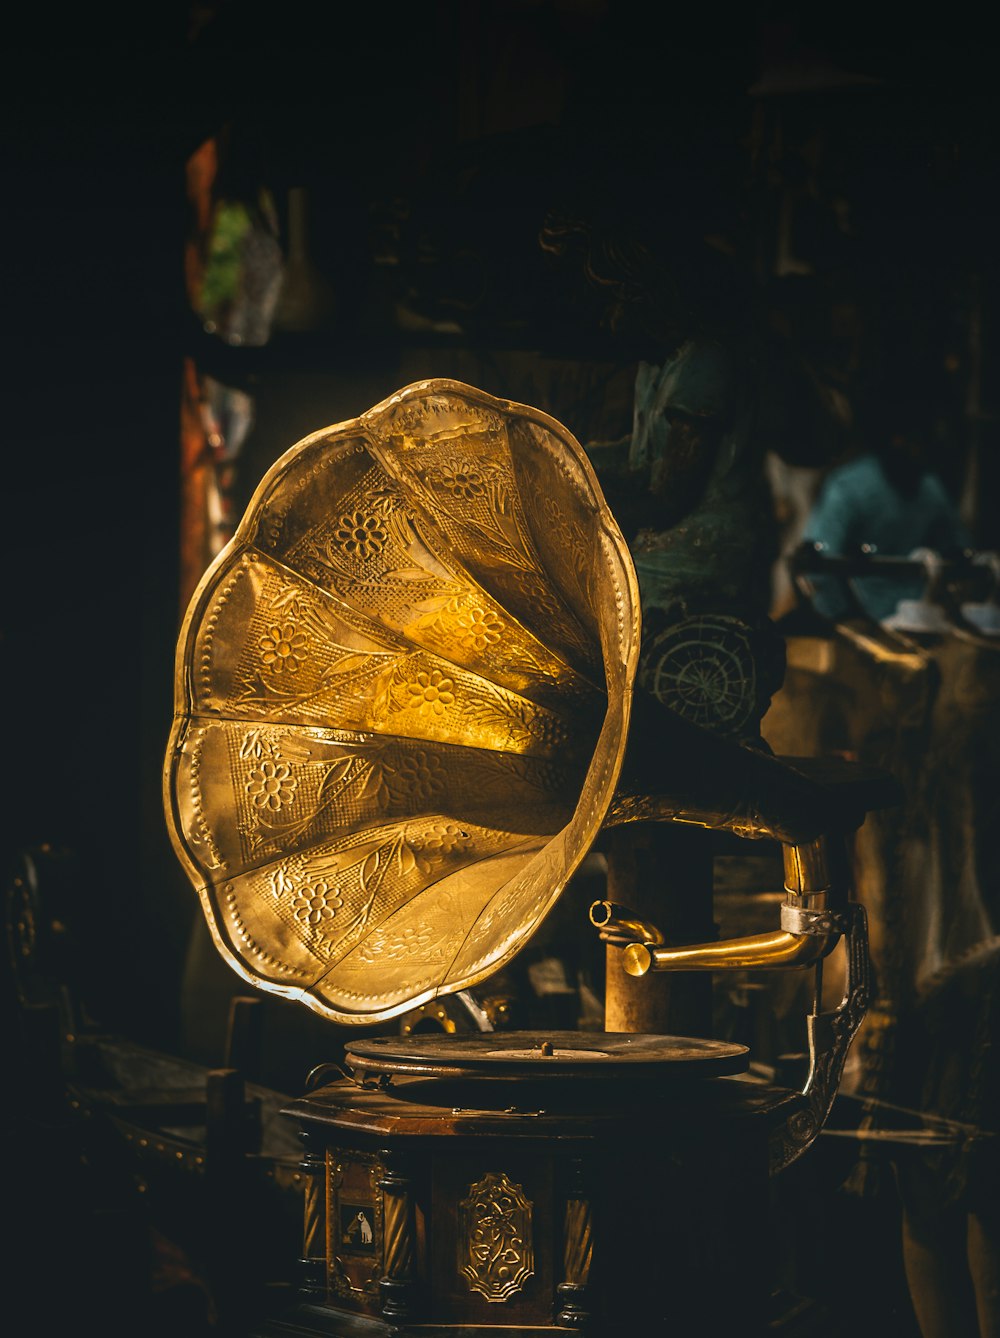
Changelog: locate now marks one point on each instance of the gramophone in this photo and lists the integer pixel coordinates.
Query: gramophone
(406, 707)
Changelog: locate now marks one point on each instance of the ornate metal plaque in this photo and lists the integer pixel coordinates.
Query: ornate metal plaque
(496, 1252)
(402, 697)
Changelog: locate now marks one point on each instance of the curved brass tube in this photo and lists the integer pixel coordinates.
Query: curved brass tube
(755, 952)
(810, 929)
(620, 925)
(808, 867)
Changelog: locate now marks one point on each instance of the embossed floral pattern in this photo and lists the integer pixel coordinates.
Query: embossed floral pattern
(315, 904)
(281, 882)
(271, 785)
(431, 692)
(418, 777)
(553, 514)
(443, 837)
(463, 482)
(480, 628)
(360, 535)
(394, 947)
(406, 942)
(282, 648)
(549, 778)
(548, 730)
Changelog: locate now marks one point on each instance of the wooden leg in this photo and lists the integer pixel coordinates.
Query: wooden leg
(984, 1264)
(937, 1272)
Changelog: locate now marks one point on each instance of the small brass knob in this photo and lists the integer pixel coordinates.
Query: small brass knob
(636, 959)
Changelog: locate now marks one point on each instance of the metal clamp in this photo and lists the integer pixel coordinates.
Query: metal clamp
(801, 920)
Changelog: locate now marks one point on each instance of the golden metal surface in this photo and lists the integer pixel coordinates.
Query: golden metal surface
(755, 952)
(807, 867)
(402, 699)
(811, 925)
(620, 926)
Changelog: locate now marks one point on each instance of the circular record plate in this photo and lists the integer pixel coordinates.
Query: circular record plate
(540, 1054)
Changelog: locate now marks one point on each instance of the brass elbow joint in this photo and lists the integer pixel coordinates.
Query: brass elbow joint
(813, 918)
(755, 952)
(620, 926)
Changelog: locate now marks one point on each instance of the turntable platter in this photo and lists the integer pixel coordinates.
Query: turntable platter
(540, 1055)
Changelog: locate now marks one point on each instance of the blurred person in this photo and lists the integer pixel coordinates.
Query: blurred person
(888, 500)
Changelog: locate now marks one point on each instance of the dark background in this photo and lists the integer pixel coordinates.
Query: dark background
(446, 133)
(846, 160)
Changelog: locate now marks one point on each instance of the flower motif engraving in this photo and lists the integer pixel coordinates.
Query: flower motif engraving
(443, 837)
(360, 535)
(271, 785)
(412, 937)
(496, 1251)
(315, 904)
(553, 514)
(463, 482)
(282, 648)
(480, 628)
(431, 691)
(393, 947)
(410, 940)
(418, 777)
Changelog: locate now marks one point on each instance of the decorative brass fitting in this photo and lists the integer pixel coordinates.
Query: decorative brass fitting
(815, 915)
(812, 922)
(755, 952)
(619, 925)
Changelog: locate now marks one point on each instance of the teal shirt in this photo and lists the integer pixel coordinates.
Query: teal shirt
(857, 505)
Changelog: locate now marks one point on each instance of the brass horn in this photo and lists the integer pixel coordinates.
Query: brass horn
(405, 707)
